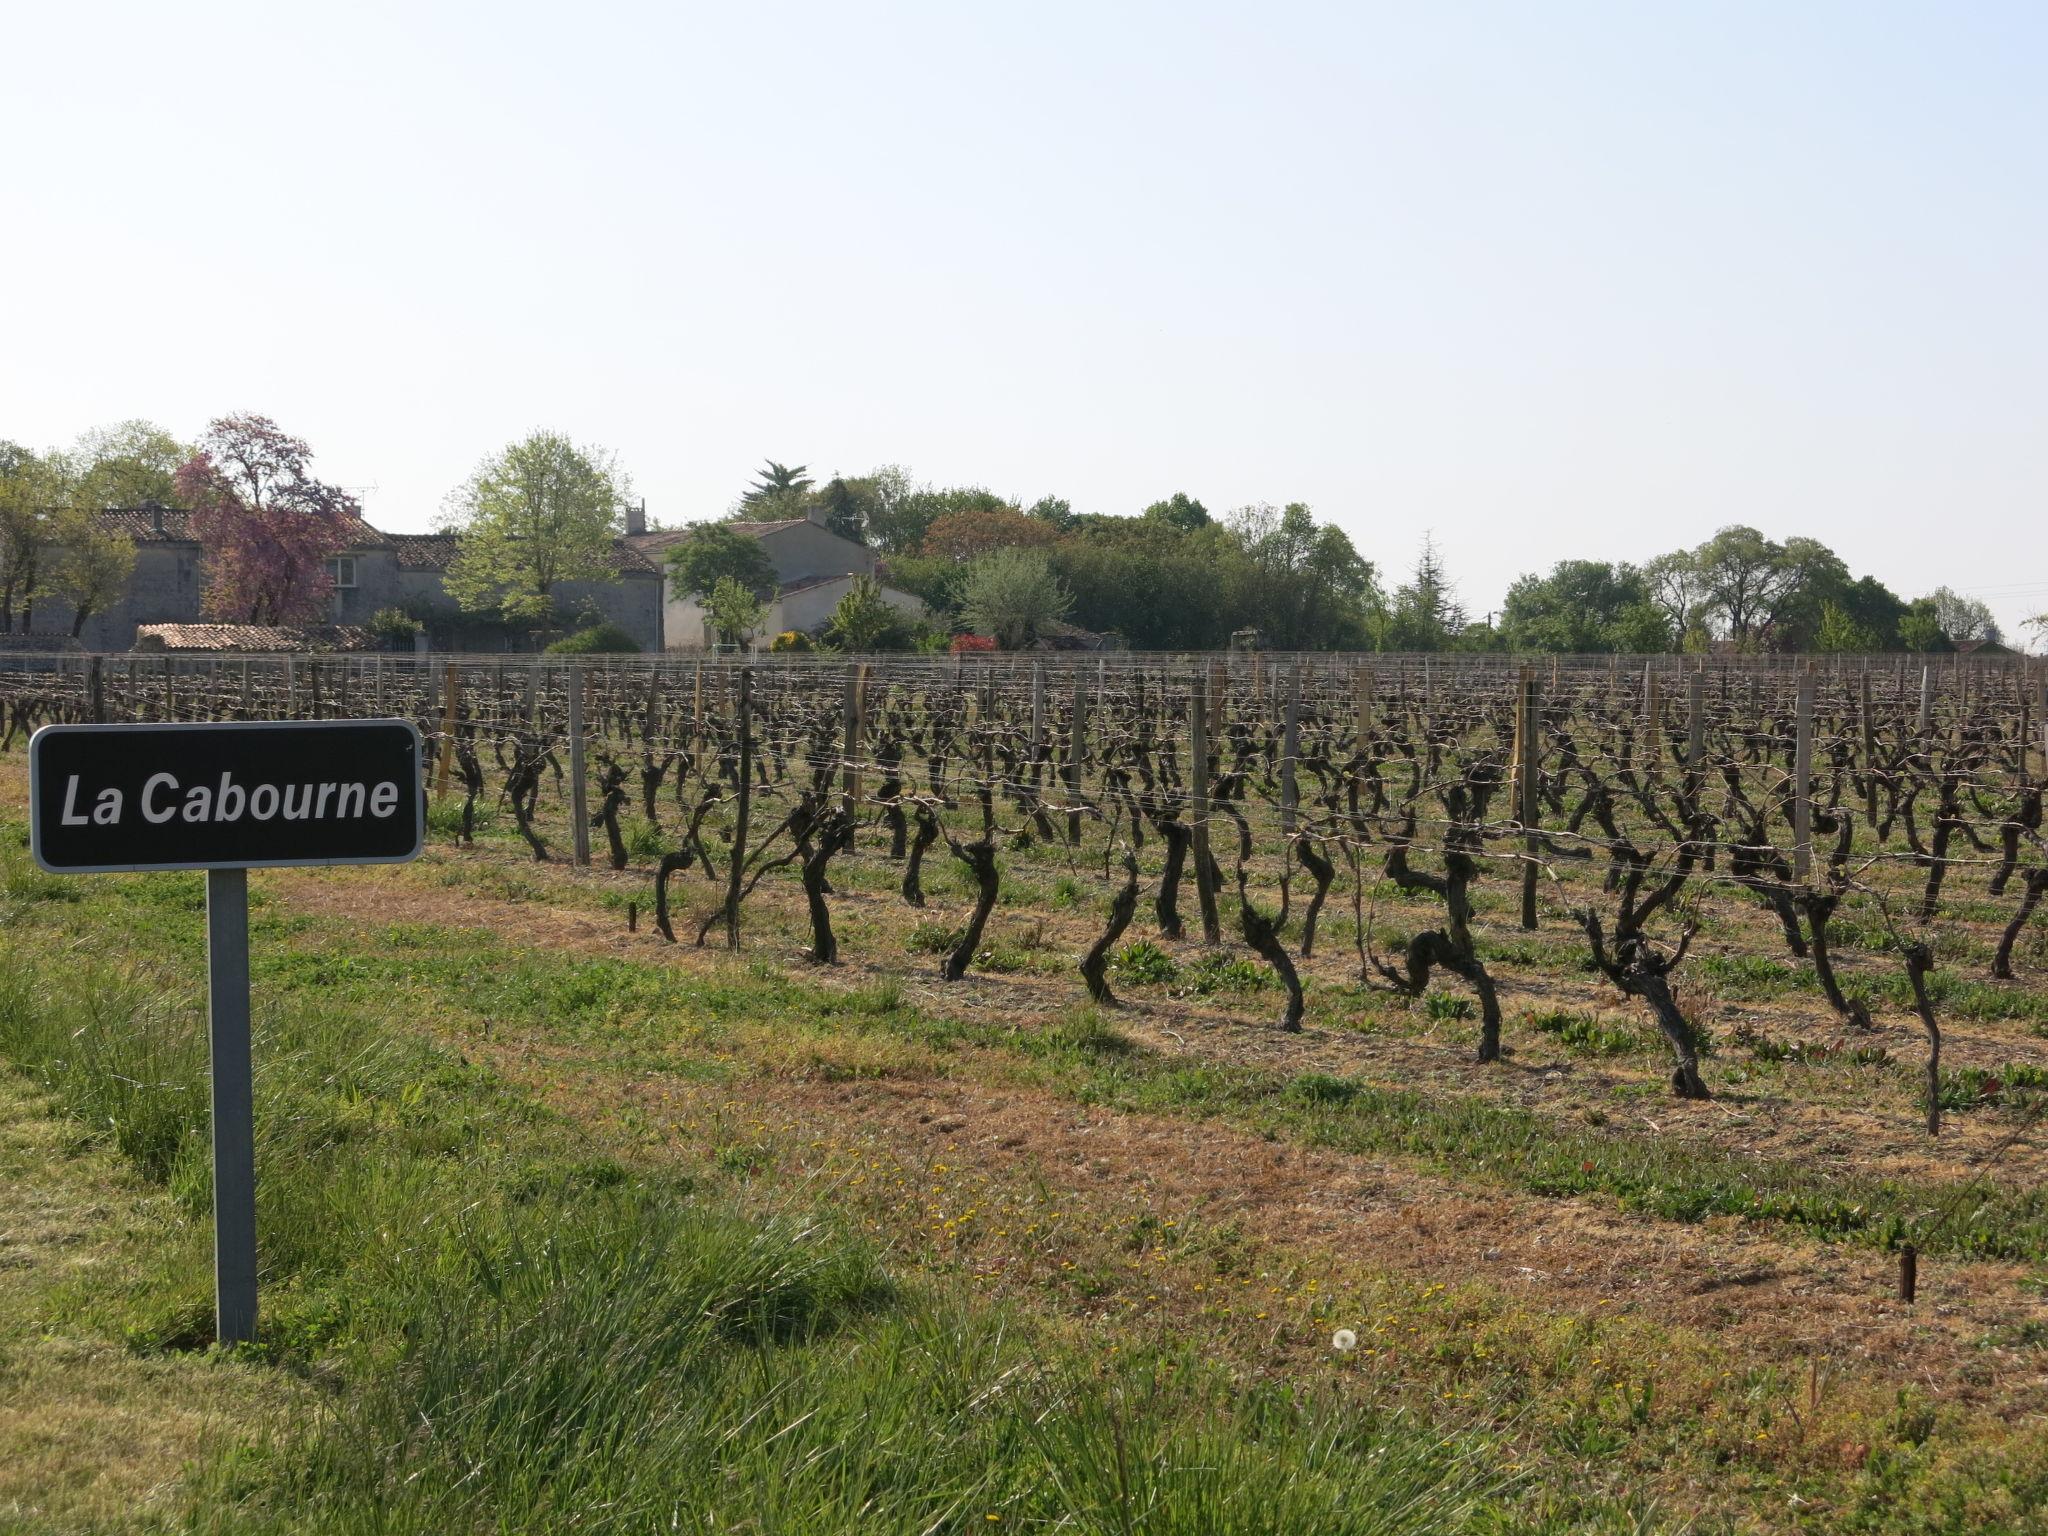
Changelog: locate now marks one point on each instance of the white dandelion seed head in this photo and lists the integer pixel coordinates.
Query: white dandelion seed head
(1343, 1340)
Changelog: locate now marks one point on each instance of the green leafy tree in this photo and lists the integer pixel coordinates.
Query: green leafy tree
(1584, 606)
(1746, 577)
(734, 611)
(779, 491)
(91, 564)
(1179, 510)
(1677, 584)
(1920, 627)
(714, 551)
(1159, 588)
(1424, 614)
(864, 620)
(537, 513)
(1963, 619)
(844, 514)
(30, 484)
(1305, 586)
(130, 464)
(1056, 510)
(1840, 634)
(1011, 596)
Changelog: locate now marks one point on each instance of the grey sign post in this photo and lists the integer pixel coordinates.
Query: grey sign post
(226, 798)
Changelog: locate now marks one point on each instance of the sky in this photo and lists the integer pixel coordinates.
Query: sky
(1552, 280)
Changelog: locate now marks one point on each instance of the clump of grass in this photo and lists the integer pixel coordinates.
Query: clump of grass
(1746, 978)
(1144, 963)
(1218, 972)
(1086, 1032)
(1322, 1088)
(933, 938)
(1585, 1032)
(1446, 1007)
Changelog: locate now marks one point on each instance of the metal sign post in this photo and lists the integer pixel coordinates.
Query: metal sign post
(234, 1105)
(226, 798)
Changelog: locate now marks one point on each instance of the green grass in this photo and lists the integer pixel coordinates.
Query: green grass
(522, 1336)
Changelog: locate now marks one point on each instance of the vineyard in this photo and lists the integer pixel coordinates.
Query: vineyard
(1874, 813)
(1578, 954)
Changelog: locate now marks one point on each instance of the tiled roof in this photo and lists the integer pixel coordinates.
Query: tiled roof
(423, 551)
(252, 637)
(757, 529)
(436, 551)
(140, 524)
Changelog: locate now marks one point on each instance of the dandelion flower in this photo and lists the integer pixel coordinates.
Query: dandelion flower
(1344, 1340)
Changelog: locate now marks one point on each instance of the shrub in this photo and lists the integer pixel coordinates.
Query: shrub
(964, 645)
(599, 639)
(790, 640)
(395, 627)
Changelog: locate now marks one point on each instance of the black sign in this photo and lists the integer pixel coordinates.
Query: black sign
(232, 796)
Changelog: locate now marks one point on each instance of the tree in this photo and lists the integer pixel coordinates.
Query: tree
(129, 464)
(864, 620)
(1424, 615)
(1840, 634)
(1159, 588)
(1920, 627)
(715, 550)
(1056, 510)
(1677, 584)
(266, 526)
(1584, 606)
(1011, 596)
(781, 491)
(536, 513)
(2039, 625)
(903, 512)
(1304, 585)
(964, 536)
(1963, 619)
(30, 485)
(734, 611)
(842, 508)
(1746, 576)
(1179, 510)
(92, 564)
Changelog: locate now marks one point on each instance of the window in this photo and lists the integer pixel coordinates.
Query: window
(343, 569)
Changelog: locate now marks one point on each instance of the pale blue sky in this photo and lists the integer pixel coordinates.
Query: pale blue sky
(1551, 279)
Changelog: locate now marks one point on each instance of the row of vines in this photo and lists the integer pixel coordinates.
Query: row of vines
(1235, 800)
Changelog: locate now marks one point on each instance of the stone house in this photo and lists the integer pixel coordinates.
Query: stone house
(375, 570)
(814, 569)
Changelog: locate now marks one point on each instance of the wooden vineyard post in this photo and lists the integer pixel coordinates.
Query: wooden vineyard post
(854, 730)
(1695, 721)
(1926, 702)
(697, 709)
(1365, 685)
(738, 856)
(1802, 779)
(245, 688)
(1037, 711)
(1198, 805)
(453, 690)
(96, 687)
(1869, 752)
(1527, 748)
(579, 789)
(1075, 744)
(1290, 748)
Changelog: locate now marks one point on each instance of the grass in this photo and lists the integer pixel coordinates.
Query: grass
(529, 1337)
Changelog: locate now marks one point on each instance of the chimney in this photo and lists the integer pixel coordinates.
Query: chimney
(636, 517)
(156, 517)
